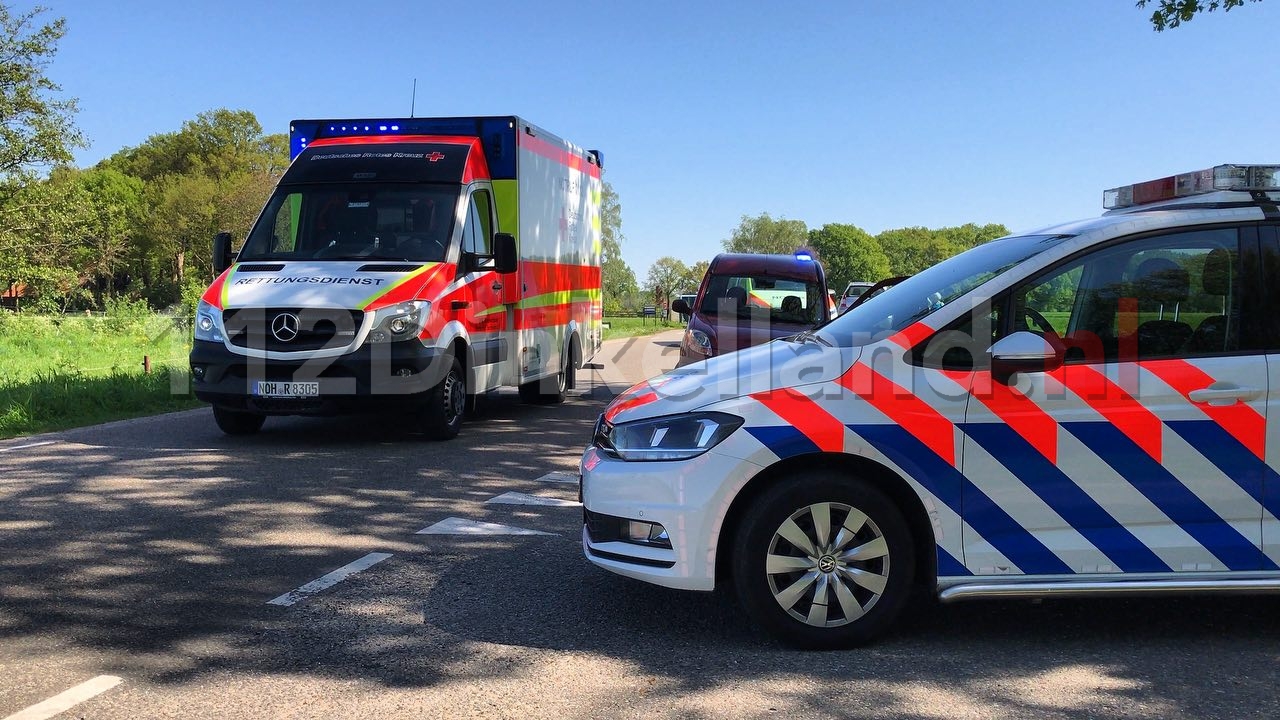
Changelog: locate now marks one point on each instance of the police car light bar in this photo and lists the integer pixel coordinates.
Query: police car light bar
(1247, 178)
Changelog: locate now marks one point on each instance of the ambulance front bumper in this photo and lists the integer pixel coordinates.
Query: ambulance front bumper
(658, 521)
(372, 377)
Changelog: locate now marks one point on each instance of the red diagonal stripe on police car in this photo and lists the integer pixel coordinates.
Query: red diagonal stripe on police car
(1017, 411)
(806, 416)
(1115, 404)
(1243, 422)
(911, 335)
(899, 405)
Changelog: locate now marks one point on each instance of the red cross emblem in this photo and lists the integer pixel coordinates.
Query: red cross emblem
(433, 157)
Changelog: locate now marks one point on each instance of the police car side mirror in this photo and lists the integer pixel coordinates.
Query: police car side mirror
(1022, 351)
(222, 257)
(504, 253)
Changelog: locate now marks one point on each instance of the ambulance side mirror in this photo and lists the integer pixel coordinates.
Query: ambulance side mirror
(504, 253)
(222, 257)
(1022, 351)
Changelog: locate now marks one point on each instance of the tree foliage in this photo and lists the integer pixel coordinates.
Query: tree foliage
(617, 279)
(666, 278)
(763, 234)
(36, 126)
(848, 253)
(1172, 13)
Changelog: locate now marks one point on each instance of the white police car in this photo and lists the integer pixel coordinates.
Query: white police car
(1082, 409)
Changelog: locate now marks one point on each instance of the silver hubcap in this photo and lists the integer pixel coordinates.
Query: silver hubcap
(454, 396)
(827, 564)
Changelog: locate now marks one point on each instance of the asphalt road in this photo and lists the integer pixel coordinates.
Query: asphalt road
(169, 556)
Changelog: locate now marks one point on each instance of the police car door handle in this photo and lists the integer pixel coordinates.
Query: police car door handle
(1222, 394)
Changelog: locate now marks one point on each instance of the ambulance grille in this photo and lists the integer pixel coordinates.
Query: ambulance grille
(296, 329)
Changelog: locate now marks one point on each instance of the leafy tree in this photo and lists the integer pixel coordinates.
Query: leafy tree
(36, 127)
(970, 235)
(115, 212)
(665, 278)
(913, 249)
(763, 234)
(1172, 13)
(693, 276)
(618, 280)
(848, 253)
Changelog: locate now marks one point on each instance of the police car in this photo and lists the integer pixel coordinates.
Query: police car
(1084, 409)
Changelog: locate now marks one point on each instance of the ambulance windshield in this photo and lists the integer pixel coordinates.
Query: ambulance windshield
(919, 295)
(355, 221)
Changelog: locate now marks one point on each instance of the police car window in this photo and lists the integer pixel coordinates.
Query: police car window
(921, 295)
(1160, 297)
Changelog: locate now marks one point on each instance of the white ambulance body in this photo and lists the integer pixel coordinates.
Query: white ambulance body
(407, 264)
(1089, 408)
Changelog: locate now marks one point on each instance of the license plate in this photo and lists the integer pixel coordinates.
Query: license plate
(286, 389)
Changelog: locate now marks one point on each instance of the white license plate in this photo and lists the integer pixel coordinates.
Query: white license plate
(286, 389)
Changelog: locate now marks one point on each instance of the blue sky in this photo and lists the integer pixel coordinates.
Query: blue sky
(872, 113)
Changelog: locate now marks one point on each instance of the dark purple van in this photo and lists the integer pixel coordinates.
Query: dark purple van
(749, 299)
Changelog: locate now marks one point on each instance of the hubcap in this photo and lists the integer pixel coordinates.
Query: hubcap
(827, 564)
(454, 396)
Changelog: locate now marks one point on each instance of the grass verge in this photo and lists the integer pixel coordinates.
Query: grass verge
(632, 327)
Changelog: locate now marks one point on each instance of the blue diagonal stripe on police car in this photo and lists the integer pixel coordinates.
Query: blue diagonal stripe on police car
(1230, 456)
(1173, 498)
(948, 566)
(783, 440)
(947, 484)
(1064, 497)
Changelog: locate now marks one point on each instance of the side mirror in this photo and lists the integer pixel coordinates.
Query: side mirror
(1022, 351)
(222, 257)
(504, 253)
(681, 307)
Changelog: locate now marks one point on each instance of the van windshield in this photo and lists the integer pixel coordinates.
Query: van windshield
(355, 221)
(764, 298)
(922, 294)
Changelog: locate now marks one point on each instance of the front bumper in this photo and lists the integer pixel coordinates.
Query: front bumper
(688, 497)
(373, 377)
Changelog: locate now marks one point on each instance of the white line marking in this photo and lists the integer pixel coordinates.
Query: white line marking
(462, 526)
(329, 580)
(519, 498)
(64, 701)
(560, 477)
(24, 447)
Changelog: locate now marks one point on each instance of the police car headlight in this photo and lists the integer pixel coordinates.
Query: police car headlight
(675, 437)
(208, 326)
(701, 342)
(400, 322)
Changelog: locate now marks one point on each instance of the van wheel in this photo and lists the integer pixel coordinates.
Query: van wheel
(549, 390)
(823, 561)
(234, 422)
(446, 404)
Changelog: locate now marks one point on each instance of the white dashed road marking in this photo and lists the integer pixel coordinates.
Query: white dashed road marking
(329, 580)
(462, 526)
(560, 477)
(519, 498)
(64, 701)
(24, 447)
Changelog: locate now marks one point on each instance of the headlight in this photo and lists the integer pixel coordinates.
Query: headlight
(208, 326)
(674, 437)
(399, 322)
(700, 342)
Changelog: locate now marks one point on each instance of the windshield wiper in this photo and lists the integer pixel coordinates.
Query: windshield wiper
(809, 335)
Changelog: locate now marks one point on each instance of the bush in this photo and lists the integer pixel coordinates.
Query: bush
(125, 314)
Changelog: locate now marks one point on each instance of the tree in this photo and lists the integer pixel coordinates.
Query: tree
(36, 127)
(970, 235)
(913, 249)
(115, 213)
(617, 279)
(665, 278)
(763, 234)
(1172, 13)
(693, 276)
(848, 253)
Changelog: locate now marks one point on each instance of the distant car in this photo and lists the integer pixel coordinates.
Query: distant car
(749, 299)
(852, 292)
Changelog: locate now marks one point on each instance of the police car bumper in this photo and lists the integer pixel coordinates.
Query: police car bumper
(371, 378)
(656, 521)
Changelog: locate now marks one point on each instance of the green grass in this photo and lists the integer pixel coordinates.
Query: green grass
(71, 371)
(632, 327)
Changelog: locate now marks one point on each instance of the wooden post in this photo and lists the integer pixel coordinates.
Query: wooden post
(146, 364)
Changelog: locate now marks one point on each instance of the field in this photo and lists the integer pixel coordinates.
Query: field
(68, 371)
(633, 326)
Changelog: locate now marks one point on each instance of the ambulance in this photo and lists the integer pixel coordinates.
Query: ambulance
(408, 265)
(1092, 408)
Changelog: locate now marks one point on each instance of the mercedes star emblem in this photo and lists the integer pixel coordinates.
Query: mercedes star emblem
(285, 327)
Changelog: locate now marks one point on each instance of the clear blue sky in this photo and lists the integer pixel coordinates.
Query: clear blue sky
(879, 114)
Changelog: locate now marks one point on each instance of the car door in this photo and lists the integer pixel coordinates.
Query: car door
(1143, 451)
(1267, 328)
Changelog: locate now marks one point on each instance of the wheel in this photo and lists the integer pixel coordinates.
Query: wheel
(549, 390)
(234, 422)
(823, 561)
(446, 403)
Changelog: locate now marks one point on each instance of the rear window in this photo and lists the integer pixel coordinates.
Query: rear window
(764, 297)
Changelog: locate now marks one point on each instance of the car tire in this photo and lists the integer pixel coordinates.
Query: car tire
(236, 422)
(445, 404)
(822, 535)
(549, 390)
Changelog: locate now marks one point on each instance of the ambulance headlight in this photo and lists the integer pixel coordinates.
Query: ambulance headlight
(207, 325)
(400, 322)
(675, 437)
